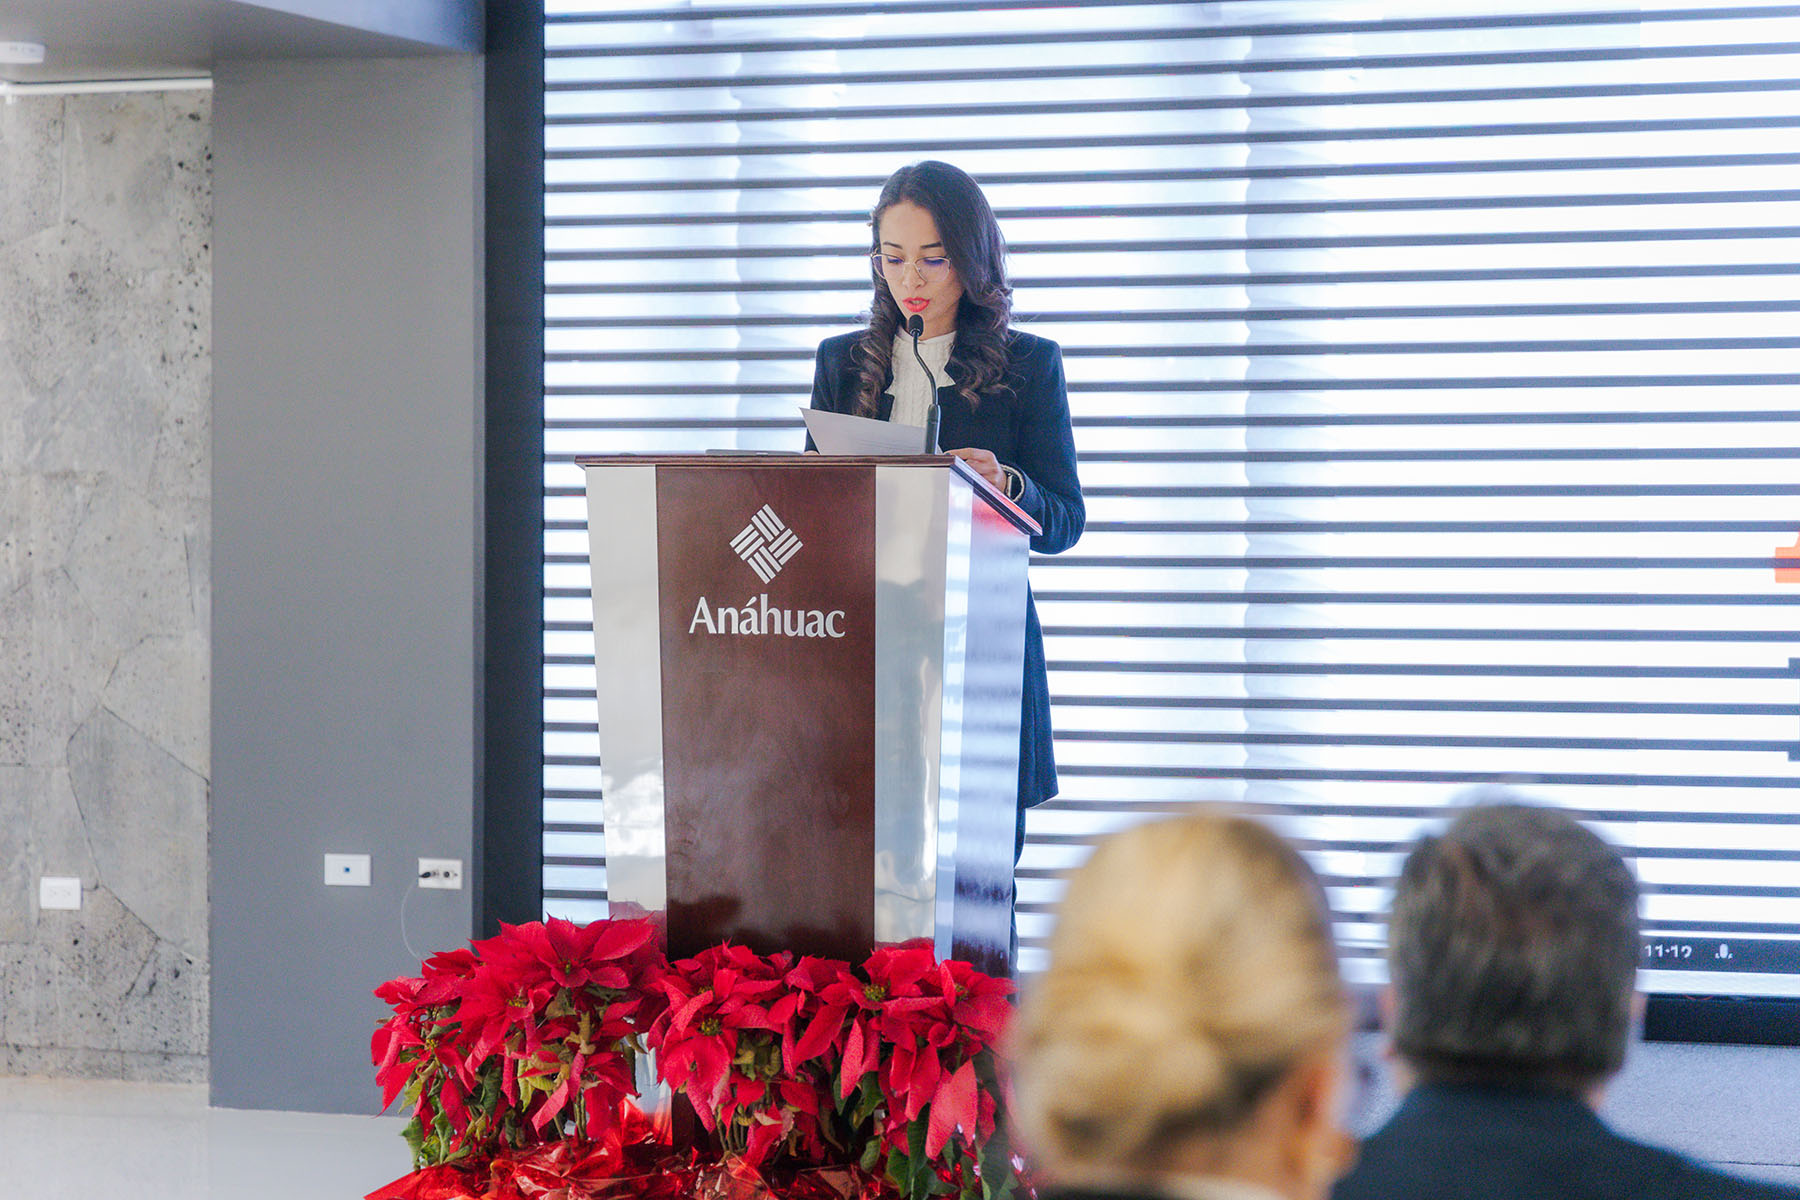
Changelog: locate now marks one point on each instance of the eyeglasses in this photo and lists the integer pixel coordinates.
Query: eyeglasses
(931, 270)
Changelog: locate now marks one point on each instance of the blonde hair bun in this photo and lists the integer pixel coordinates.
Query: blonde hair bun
(1191, 966)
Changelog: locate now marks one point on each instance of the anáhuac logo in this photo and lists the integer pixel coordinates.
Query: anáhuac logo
(757, 617)
(766, 544)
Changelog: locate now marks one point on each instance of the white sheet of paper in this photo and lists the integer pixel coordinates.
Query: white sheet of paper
(841, 433)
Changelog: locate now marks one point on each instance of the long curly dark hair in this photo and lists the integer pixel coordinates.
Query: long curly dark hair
(973, 244)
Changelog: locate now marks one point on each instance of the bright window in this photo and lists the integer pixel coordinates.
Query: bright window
(1433, 371)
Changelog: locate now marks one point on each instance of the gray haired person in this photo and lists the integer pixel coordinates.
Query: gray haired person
(1513, 950)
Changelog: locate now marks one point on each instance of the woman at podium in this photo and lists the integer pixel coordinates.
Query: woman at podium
(939, 350)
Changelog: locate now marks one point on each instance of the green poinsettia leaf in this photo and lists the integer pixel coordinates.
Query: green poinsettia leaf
(442, 1133)
(414, 1133)
(918, 1184)
(997, 1178)
(868, 1099)
(899, 1171)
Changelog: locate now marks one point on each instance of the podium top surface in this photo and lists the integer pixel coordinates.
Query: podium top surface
(797, 461)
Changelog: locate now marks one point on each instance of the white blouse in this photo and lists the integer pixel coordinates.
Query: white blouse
(911, 390)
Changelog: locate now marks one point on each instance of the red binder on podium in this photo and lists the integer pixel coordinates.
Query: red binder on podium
(809, 674)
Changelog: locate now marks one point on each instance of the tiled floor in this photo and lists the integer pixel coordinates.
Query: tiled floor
(66, 1140)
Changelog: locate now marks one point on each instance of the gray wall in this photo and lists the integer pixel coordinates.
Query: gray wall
(104, 578)
(347, 526)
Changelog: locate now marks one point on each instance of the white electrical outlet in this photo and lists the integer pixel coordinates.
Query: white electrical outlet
(440, 873)
(59, 891)
(346, 870)
(21, 54)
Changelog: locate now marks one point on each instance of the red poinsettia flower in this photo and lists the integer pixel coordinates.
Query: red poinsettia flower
(923, 1025)
(584, 1066)
(720, 1043)
(398, 1034)
(413, 1044)
(813, 1025)
(496, 1003)
(945, 1016)
(712, 998)
(449, 964)
(981, 1004)
(605, 954)
(518, 1052)
(879, 1000)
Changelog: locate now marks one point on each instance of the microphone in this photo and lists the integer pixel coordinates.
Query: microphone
(915, 325)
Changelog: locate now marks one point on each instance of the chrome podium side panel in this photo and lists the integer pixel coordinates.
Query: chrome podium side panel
(622, 537)
(911, 514)
(959, 551)
(988, 781)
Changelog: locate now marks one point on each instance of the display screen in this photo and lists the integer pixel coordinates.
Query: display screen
(1432, 367)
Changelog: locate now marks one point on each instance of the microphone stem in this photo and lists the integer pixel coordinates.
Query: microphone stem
(932, 415)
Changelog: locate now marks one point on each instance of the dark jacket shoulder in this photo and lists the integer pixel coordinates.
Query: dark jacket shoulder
(1456, 1142)
(1028, 352)
(837, 347)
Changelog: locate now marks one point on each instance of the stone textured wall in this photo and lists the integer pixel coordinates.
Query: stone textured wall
(105, 527)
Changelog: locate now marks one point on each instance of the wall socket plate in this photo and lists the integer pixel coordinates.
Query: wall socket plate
(21, 54)
(346, 870)
(441, 873)
(59, 891)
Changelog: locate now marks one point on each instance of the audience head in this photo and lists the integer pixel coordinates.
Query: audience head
(1192, 1018)
(1513, 950)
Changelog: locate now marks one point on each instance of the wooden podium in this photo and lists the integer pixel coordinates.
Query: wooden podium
(809, 675)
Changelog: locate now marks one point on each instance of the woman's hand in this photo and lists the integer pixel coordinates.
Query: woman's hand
(985, 464)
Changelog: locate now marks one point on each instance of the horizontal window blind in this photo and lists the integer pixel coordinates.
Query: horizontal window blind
(1432, 367)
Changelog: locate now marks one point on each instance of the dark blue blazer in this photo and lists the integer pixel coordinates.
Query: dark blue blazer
(1027, 428)
(1468, 1142)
